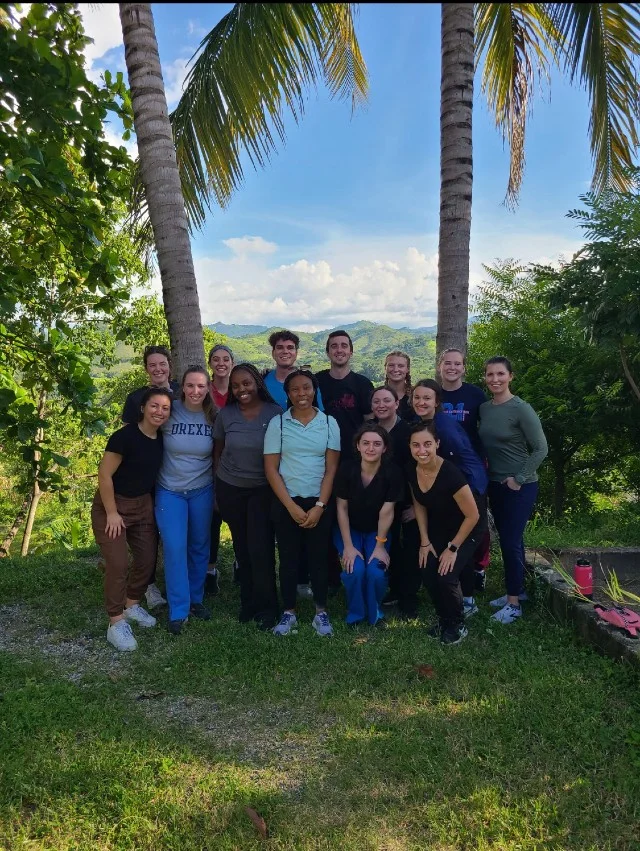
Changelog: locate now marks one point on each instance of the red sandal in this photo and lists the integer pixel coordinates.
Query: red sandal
(623, 618)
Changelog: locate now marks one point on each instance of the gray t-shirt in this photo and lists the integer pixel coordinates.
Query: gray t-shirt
(188, 450)
(242, 461)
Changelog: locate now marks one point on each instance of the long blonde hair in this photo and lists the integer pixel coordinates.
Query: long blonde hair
(407, 381)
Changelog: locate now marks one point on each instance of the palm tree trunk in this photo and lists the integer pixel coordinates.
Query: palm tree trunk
(456, 175)
(159, 171)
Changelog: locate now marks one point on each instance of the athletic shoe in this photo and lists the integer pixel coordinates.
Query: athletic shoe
(454, 634)
(211, 584)
(390, 599)
(322, 624)
(154, 597)
(480, 580)
(287, 623)
(500, 602)
(136, 614)
(435, 631)
(236, 573)
(119, 634)
(305, 592)
(175, 627)
(381, 623)
(200, 612)
(507, 614)
(266, 622)
(469, 607)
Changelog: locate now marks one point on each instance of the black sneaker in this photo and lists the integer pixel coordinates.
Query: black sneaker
(454, 634)
(480, 580)
(211, 585)
(175, 627)
(435, 631)
(201, 612)
(390, 599)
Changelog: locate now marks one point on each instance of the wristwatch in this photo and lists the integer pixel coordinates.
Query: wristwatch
(452, 547)
(320, 504)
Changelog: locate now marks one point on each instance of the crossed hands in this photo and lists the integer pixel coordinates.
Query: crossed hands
(306, 519)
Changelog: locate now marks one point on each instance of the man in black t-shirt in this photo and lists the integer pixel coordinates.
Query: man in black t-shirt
(346, 395)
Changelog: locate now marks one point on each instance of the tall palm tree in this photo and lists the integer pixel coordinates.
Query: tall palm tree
(596, 44)
(259, 59)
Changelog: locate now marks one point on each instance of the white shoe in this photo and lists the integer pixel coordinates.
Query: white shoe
(119, 634)
(322, 624)
(154, 597)
(286, 624)
(507, 614)
(136, 614)
(500, 602)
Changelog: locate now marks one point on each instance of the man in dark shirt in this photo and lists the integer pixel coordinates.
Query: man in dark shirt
(346, 394)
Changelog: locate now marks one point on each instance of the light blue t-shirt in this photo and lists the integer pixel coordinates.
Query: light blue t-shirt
(276, 388)
(302, 450)
(188, 450)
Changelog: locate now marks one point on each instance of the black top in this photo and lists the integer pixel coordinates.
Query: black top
(399, 436)
(349, 401)
(132, 403)
(444, 518)
(141, 459)
(405, 410)
(365, 502)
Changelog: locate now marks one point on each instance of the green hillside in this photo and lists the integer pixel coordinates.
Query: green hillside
(371, 343)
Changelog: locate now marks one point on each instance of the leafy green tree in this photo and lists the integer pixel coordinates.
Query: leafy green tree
(64, 263)
(602, 281)
(574, 387)
(595, 44)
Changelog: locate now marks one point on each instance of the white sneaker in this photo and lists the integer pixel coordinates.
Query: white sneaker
(136, 614)
(154, 597)
(305, 591)
(507, 614)
(499, 602)
(119, 634)
(287, 623)
(469, 607)
(322, 624)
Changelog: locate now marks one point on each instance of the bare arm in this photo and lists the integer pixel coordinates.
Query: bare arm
(425, 544)
(108, 466)
(385, 519)
(349, 553)
(331, 459)
(218, 449)
(272, 472)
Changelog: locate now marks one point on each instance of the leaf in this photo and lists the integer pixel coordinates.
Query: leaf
(425, 671)
(258, 821)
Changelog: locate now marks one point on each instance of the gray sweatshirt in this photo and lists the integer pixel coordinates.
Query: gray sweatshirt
(188, 450)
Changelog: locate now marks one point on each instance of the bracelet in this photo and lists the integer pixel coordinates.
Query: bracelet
(381, 540)
(424, 546)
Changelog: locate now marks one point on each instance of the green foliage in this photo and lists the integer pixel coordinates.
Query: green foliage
(601, 281)
(575, 388)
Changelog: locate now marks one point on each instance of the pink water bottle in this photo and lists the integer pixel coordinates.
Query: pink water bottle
(583, 576)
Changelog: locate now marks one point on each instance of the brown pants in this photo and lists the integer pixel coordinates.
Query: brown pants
(141, 536)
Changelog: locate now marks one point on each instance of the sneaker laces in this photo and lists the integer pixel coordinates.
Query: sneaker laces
(286, 617)
(323, 617)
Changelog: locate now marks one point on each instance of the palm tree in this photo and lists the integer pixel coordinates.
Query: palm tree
(259, 58)
(596, 44)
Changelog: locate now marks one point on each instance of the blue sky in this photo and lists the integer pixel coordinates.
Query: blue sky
(343, 224)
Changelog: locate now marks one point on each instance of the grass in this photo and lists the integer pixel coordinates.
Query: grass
(521, 739)
(617, 526)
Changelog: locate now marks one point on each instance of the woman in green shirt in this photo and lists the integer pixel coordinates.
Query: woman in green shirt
(515, 445)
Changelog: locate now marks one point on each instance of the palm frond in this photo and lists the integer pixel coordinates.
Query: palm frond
(514, 42)
(601, 43)
(259, 59)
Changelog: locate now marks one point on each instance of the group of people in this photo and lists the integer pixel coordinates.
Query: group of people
(380, 489)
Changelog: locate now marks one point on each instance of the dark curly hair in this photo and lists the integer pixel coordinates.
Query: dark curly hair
(263, 393)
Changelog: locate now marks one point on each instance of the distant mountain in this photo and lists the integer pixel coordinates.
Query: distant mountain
(371, 342)
(237, 330)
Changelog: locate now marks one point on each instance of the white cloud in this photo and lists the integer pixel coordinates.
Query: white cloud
(245, 245)
(102, 24)
(174, 74)
(117, 141)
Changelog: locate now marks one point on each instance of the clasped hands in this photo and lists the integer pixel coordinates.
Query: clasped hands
(306, 519)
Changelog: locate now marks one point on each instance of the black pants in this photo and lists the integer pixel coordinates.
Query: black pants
(216, 523)
(296, 545)
(445, 591)
(247, 511)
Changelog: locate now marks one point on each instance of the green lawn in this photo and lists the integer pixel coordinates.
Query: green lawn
(520, 739)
